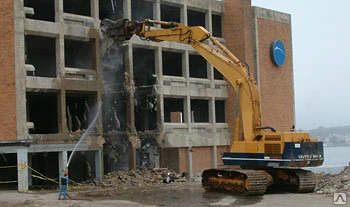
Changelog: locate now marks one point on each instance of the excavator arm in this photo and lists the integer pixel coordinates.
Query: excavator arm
(235, 71)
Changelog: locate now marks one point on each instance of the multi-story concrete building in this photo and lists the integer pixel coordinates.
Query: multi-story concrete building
(163, 104)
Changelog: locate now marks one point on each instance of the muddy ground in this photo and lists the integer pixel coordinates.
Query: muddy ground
(147, 189)
(174, 194)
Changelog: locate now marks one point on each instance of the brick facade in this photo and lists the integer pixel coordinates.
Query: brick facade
(202, 158)
(276, 83)
(237, 32)
(7, 78)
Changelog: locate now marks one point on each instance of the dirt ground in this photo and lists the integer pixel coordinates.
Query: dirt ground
(174, 194)
(147, 188)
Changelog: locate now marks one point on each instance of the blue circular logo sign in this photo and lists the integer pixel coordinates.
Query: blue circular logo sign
(278, 52)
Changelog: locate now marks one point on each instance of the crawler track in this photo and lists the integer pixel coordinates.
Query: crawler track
(293, 180)
(248, 182)
(255, 182)
(306, 181)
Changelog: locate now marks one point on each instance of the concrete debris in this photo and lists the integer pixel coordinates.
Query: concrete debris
(142, 178)
(333, 183)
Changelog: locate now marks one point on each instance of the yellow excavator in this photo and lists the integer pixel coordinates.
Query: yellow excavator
(267, 159)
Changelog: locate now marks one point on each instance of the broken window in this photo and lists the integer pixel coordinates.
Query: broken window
(169, 14)
(141, 9)
(146, 91)
(82, 166)
(8, 173)
(80, 7)
(45, 163)
(80, 111)
(218, 75)
(145, 108)
(195, 18)
(220, 111)
(144, 67)
(43, 9)
(42, 111)
(200, 111)
(198, 66)
(216, 25)
(78, 54)
(41, 53)
(172, 63)
(111, 9)
(174, 110)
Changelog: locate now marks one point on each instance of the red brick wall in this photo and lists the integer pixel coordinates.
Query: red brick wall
(202, 158)
(238, 33)
(276, 83)
(170, 158)
(183, 157)
(7, 77)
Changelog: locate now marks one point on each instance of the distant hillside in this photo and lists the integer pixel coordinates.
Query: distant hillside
(332, 136)
(326, 131)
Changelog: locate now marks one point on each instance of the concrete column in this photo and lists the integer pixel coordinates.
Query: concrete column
(62, 161)
(211, 108)
(127, 9)
(186, 74)
(60, 71)
(19, 70)
(95, 12)
(22, 170)
(212, 115)
(98, 165)
(130, 113)
(183, 14)
(156, 11)
(190, 163)
(159, 83)
(128, 60)
(30, 163)
(208, 21)
(215, 156)
(187, 111)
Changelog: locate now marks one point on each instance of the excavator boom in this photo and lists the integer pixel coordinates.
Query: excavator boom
(265, 156)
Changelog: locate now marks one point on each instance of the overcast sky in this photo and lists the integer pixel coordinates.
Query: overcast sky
(321, 56)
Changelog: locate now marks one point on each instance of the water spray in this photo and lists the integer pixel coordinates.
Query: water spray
(112, 4)
(86, 132)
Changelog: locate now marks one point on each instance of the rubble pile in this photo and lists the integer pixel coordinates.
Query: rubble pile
(142, 178)
(332, 183)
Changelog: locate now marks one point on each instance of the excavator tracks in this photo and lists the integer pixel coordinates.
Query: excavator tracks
(306, 181)
(293, 180)
(256, 182)
(247, 182)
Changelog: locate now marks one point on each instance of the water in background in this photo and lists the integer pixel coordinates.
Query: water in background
(335, 159)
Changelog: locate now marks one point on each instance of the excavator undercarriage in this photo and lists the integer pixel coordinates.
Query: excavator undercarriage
(258, 181)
